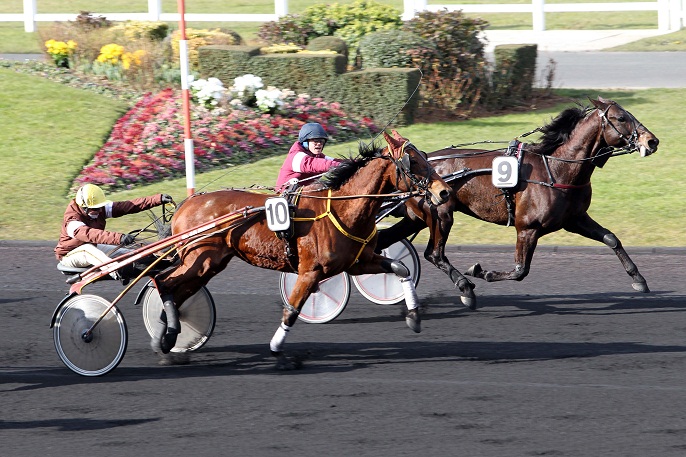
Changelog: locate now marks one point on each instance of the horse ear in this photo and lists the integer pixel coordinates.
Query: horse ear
(387, 137)
(397, 136)
(599, 104)
(391, 140)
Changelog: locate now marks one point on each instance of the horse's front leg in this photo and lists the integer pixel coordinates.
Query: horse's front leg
(305, 285)
(527, 240)
(585, 226)
(379, 264)
(440, 225)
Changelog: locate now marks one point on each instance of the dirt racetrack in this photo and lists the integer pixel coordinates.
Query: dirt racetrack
(569, 362)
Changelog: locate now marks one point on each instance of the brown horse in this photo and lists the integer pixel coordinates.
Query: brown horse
(552, 192)
(334, 231)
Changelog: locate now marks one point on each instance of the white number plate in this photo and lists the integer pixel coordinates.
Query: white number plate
(505, 172)
(278, 216)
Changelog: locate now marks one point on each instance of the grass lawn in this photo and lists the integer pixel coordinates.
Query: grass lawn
(53, 130)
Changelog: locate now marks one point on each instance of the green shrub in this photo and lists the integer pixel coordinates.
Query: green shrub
(197, 38)
(349, 22)
(328, 43)
(455, 36)
(514, 74)
(456, 79)
(288, 29)
(393, 48)
(136, 30)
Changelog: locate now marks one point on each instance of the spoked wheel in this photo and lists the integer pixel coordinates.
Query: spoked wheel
(197, 316)
(92, 353)
(385, 288)
(326, 304)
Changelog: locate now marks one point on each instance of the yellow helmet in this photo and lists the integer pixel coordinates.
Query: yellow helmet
(91, 196)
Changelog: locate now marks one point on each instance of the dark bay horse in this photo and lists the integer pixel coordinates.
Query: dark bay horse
(333, 231)
(552, 192)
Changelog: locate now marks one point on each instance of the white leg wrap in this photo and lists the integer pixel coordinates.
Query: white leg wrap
(411, 299)
(279, 338)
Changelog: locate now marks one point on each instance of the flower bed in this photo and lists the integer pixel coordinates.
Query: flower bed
(146, 145)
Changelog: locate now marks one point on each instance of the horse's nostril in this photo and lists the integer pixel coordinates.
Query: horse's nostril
(652, 144)
(444, 194)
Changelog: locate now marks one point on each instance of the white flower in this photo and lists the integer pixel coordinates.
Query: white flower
(207, 92)
(269, 100)
(246, 85)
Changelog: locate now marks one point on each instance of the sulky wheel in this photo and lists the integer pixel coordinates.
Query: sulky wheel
(385, 288)
(197, 316)
(324, 305)
(93, 353)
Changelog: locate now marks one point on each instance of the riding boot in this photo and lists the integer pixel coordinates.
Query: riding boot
(158, 331)
(173, 327)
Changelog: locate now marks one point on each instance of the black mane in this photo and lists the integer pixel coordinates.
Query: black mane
(337, 176)
(558, 131)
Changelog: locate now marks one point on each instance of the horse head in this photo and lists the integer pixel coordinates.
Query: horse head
(413, 167)
(621, 128)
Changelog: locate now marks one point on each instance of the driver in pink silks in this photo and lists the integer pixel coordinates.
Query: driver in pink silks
(305, 158)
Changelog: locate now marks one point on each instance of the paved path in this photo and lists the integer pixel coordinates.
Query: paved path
(560, 364)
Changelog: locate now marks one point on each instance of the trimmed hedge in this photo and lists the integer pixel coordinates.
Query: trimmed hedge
(375, 93)
(515, 72)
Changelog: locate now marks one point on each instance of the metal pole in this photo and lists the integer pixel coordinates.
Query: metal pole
(186, 97)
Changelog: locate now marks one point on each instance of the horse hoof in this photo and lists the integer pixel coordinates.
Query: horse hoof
(168, 341)
(469, 301)
(414, 321)
(475, 271)
(640, 287)
(282, 363)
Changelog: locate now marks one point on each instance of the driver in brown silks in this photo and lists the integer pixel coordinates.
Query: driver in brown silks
(83, 239)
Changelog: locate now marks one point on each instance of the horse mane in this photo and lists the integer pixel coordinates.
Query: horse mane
(558, 131)
(339, 175)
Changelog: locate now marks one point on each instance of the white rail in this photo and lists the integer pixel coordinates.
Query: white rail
(671, 14)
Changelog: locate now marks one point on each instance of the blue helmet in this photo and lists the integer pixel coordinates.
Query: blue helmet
(310, 131)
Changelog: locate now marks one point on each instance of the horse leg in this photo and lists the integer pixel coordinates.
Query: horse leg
(527, 240)
(585, 226)
(402, 229)
(435, 253)
(175, 285)
(304, 286)
(380, 264)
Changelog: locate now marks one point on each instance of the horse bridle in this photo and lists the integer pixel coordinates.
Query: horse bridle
(631, 141)
(403, 170)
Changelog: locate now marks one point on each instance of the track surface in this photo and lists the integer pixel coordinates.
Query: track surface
(569, 362)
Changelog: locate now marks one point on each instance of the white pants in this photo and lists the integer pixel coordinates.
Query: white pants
(88, 255)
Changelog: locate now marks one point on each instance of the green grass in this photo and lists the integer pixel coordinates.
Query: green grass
(49, 132)
(53, 130)
(13, 39)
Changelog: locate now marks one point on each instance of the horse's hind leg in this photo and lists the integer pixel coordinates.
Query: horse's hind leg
(527, 240)
(305, 285)
(380, 264)
(175, 285)
(585, 226)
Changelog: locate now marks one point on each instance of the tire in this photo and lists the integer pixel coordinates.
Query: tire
(197, 315)
(385, 288)
(105, 347)
(326, 304)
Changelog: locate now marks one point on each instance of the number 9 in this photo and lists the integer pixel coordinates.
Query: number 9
(505, 171)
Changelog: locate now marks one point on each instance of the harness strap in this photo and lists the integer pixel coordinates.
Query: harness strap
(340, 228)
